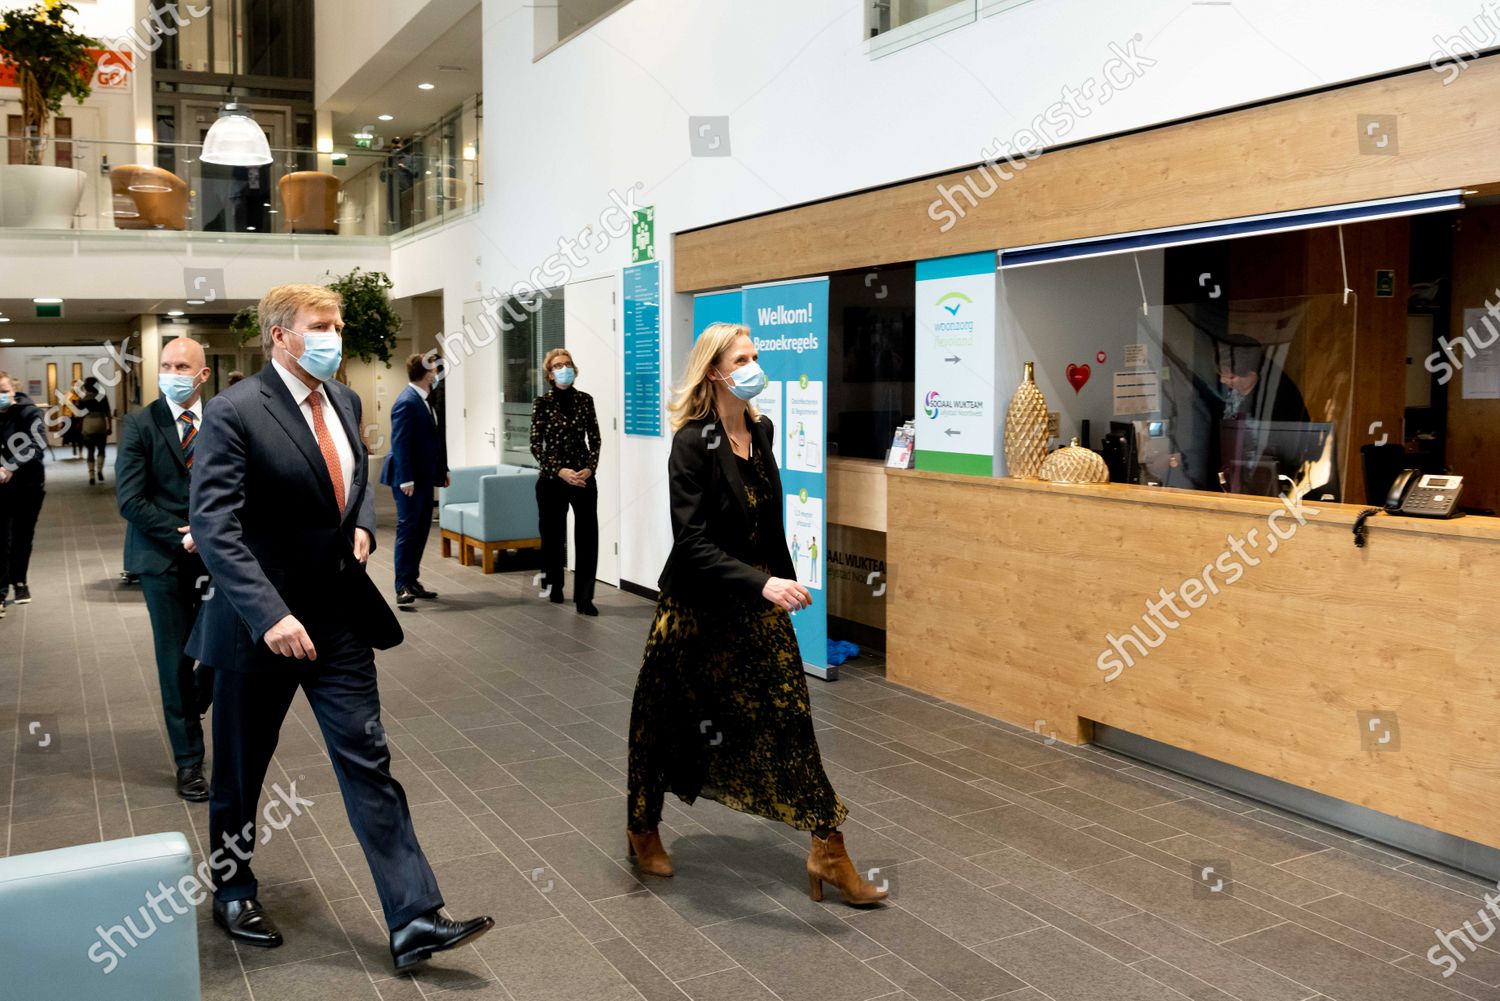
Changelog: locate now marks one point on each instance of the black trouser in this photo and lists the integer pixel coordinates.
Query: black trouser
(172, 600)
(20, 506)
(249, 707)
(552, 499)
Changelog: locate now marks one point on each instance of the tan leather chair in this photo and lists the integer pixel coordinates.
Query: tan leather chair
(309, 202)
(148, 198)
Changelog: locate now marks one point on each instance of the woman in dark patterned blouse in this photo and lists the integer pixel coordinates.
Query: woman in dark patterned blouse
(721, 705)
(565, 441)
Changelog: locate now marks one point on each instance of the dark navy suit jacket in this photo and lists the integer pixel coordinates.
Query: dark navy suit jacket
(265, 519)
(151, 488)
(418, 453)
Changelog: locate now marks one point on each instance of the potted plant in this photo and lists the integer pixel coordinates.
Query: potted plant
(52, 62)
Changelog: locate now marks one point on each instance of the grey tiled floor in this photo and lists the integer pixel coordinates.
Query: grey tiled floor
(1017, 869)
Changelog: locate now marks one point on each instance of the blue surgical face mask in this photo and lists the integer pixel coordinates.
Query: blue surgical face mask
(321, 354)
(747, 381)
(177, 388)
(564, 376)
(5, 400)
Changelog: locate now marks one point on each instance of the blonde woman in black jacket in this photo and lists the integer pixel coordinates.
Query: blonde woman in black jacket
(721, 705)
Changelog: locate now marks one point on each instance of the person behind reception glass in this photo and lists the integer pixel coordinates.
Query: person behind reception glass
(721, 706)
(565, 441)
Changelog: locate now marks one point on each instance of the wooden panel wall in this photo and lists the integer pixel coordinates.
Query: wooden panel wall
(1293, 154)
(1474, 425)
(1268, 675)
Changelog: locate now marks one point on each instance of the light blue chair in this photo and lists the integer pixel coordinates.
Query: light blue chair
(77, 925)
(504, 517)
(459, 497)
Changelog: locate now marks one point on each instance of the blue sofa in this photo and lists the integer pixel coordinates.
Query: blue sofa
(77, 925)
(487, 509)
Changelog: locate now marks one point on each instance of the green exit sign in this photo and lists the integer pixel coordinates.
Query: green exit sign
(49, 311)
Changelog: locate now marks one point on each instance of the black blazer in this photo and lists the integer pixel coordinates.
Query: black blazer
(710, 517)
(151, 489)
(266, 522)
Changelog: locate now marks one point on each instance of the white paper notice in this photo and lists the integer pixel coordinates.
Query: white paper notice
(804, 427)
(804, 520)
(1481, 374)
(1135, 356)
(1137, 393)
(769, 404)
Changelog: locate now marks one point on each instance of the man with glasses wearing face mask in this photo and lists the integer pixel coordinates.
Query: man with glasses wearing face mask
(284, 515)
(152, 470)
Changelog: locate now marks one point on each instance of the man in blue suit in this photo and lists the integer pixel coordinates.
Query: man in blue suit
(152, 470)
(416, 466)
(282, 512)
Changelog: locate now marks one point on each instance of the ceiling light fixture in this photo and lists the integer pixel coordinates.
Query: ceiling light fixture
(175, 312)
(196, 302)
(47, 302)
(365, 132)
(385, 118)
(7, 340)
(426, 86)
(235, 140)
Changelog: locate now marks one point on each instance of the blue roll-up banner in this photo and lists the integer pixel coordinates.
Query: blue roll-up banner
(789, 323)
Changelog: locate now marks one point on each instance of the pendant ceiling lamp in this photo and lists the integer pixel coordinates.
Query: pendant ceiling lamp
(236, 140)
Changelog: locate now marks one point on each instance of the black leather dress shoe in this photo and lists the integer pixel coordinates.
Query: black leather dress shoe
(587, 608)
(419, 938)
(191, 785)
(421, 592)
(246, 921)
(406, 596)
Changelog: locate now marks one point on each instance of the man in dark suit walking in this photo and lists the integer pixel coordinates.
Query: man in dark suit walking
(416, 466)
(283, 513)
(152, 467)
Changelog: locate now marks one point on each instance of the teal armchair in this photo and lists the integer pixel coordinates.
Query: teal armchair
(504, 517)
(78, 925)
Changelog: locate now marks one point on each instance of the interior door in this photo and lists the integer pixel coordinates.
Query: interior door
(590, 335)
(482, 394)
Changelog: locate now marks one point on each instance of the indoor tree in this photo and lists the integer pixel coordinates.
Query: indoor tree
(52, 61)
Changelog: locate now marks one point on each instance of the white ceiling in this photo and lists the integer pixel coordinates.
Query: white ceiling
(92, 321)
(453, 63)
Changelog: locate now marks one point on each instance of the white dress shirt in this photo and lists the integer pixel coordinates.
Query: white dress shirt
(177, 412)
(341, 445)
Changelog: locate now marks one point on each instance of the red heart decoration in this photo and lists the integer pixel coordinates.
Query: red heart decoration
(1101, 357)
(1078, 375)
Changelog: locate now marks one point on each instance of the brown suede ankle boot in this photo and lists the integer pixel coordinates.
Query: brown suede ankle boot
(829, 862)
(650, 857)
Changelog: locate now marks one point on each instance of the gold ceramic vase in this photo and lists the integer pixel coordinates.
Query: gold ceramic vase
(1026, 429)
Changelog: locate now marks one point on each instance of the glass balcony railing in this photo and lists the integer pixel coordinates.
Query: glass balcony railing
(101, 186)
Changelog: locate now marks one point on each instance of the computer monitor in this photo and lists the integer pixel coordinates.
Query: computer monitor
(1280, 457)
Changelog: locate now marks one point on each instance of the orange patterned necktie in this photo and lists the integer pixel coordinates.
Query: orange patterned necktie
(325, 444)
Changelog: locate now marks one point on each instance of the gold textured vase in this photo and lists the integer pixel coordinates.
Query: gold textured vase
(1026, 429)
(1075, 464)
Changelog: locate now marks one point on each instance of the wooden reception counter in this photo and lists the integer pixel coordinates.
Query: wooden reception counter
(1015, 599)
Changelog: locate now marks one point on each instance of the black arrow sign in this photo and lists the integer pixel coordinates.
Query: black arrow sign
(950, 432)
(954, 360)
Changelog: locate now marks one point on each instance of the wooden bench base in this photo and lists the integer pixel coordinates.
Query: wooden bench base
(487, 550)
(450, 539)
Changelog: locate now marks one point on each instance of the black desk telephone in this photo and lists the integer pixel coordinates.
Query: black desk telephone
(1425, 495)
